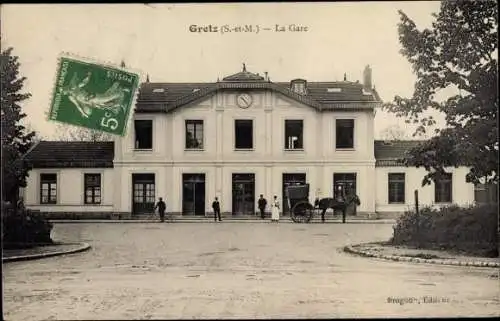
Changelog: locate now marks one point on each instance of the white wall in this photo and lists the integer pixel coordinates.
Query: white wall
(462, 192)
(268, 160)
(268, 112)
(70, 190)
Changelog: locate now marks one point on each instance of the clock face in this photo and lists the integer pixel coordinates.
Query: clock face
(244, 100)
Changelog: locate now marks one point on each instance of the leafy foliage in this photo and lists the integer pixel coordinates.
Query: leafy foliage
(16, 140)
(472, 230)
(394, 132)
(23, 228)
(81, 134)
(458, 52)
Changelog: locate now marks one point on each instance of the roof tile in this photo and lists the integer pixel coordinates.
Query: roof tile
(178, 94)
(54, 154)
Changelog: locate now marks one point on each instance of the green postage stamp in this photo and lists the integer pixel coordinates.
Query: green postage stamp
(93, 96)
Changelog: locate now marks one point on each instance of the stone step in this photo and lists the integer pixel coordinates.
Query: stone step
(248, 217)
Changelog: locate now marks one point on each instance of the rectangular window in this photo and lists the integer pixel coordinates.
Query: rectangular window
(344, 133)
(243, 134)
(48, 188)
(92, 188)
(194, 134)
(294, 130)
(396, 188)
(143, 134)
(442, 189)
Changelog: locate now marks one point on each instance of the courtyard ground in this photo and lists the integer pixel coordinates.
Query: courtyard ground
(227, 270)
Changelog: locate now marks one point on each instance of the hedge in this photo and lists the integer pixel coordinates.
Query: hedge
(23, 228)
(468, 230)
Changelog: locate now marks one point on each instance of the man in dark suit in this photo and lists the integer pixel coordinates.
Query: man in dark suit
(216, 208)
(161, 206)
(262, 206)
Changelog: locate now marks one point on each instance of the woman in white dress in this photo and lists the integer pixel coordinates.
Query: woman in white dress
(275, 211)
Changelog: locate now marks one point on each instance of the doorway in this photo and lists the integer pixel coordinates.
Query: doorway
(193, 194)
(243, 194)
(291, 180)
(143, 191)
(345, 183)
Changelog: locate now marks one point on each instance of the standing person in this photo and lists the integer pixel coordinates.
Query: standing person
(216, 208)
(262, 206)
(275, 211)
(161, 206)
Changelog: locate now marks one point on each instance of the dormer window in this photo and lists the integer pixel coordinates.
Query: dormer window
(299, 86)
(158, 90)
(334, 90)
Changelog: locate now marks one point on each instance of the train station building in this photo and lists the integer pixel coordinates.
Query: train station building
(235, 139)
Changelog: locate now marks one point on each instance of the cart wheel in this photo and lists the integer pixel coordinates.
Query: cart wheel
(302, 212)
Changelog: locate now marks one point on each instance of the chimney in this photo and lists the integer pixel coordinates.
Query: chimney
(367, 78)
(265, 73)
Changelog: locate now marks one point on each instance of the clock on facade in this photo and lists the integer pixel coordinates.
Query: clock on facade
(244, 100)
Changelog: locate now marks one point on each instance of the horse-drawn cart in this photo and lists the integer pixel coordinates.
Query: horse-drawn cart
(302, 210)
(298, 201)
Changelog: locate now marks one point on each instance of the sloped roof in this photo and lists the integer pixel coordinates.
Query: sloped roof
(389, 153)
(165, 97)
(57, 154)
(244, 76)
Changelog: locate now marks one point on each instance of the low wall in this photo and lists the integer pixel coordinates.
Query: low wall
(85, 215)
(127, 215)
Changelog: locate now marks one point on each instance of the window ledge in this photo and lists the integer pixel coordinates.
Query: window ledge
(194, 149)
(396, 203)
(244, 149)
(345, 149)
(92, 204)
(294, 150)
(443, 203)
(143, 149)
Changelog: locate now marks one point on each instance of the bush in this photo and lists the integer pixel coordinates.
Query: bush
(24, 228)
(470, 230)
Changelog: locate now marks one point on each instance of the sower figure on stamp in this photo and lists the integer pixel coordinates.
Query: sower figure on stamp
(275, 210)
(161, 206)
(216, 208)
(262, 206)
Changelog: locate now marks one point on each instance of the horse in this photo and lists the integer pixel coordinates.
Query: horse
(336, 205)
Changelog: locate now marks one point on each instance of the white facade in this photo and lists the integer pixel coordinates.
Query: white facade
(268, 160)
(462, 192)
(268, 105)
(168, 160)
(70, 190)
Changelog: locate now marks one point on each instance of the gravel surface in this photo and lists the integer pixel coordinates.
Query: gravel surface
(218, 270)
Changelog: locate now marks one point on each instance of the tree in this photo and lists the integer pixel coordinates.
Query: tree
(16, 140)
(37, 137)
(394, 132)
(458, 52)
(81, 134)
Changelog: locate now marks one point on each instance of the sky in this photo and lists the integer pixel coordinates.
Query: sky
(341, 37)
